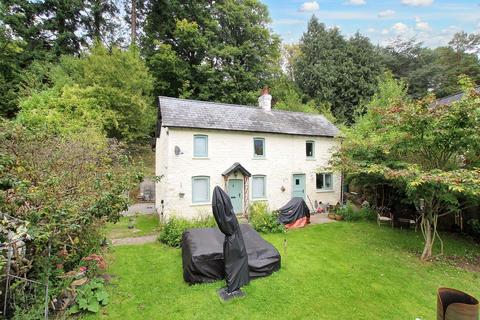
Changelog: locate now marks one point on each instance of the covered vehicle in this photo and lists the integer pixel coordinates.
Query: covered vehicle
(294, 214)
(203, 261)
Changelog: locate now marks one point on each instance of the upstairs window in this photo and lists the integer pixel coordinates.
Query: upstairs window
(258, 147)
(258, 187)
(310, 149)
(324, 182)
(200, 146)
(200, 189)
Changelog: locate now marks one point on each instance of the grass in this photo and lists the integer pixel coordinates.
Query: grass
(331, 271)
(143, 224)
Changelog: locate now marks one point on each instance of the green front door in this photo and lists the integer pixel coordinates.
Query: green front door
(235, 191)
(298, 188)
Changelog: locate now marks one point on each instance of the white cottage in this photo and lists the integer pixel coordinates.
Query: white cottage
(254, 153)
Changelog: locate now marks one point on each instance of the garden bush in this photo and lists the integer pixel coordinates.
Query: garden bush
(56, 192)
(172, 231)
(349, 213)
(263, 220)
(475, 225)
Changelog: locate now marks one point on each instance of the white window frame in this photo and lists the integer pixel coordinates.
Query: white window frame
(205, 137)
(313, 149)
(264, 148)
(207, 200)
(264, 196)
(324, 188)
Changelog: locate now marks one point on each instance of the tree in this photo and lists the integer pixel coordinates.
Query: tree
(336, 71)
(106, 89)
(429, 153)
(214, 50)
(433, 70)
(99, 20)
(135, 12)
(463, 42)
(290, 53)
(10, 71)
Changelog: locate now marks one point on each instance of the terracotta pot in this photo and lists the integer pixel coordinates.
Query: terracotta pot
(331, 216)
(338, 217)
(456, 305)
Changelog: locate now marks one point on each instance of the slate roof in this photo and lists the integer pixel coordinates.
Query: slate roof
(184, 113)
(450, 99)
(236, 166)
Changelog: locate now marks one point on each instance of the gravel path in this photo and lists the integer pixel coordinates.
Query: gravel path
(135, 240)
(141, 207)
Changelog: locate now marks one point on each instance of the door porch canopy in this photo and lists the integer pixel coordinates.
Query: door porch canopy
(235, 169)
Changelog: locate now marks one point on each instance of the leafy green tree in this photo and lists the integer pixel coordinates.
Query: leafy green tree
(290, 53)
(106, 89)
(336, 71)
(463, 42)
(453, 64)
(100, 21)
(214, 50)
(10, 72)
(433, 70)
(429, 153)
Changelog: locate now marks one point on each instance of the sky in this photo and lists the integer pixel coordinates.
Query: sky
(433, 22)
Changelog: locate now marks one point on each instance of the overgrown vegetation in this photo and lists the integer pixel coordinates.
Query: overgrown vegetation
(429, 152)
(173, 229)
(65, 187)
(264, 220)
(349, 213)
(91, 296)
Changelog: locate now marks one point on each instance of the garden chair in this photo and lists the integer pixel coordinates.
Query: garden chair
(384, 215)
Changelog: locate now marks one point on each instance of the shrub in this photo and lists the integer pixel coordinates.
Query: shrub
(56, 192)
(368, 214)
(475, 225)
(350, 214)
(90, 297)
(264, 221)
(173, 230)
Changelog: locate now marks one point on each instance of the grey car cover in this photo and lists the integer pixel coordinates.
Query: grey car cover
(202, 254)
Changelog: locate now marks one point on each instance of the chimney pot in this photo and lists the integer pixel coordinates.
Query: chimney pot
(265, 100)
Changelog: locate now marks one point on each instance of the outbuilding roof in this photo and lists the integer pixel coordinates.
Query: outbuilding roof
(183, 113)
(450, 99)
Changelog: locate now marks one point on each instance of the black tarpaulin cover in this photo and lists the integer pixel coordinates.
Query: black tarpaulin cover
(294, 210)
(234, 252)
(202, 254)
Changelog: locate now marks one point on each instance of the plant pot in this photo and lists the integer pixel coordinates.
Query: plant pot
(338, 217)
(331, 216)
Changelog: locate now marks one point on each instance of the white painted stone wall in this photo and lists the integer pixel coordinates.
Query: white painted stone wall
(284, 156)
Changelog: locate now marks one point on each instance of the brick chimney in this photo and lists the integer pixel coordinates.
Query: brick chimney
(265, 100)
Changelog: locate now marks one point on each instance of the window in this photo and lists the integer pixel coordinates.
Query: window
(258, 187)
(310, 149)
(258, 147)
(200, 146)
(200, 189)
(324, 181)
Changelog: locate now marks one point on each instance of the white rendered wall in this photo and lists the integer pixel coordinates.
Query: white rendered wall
(285, 156)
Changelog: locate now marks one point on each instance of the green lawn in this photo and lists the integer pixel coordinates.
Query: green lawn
(143, 224)
(331, 271)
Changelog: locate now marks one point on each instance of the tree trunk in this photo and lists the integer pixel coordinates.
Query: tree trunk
(134, 22)
(428, 235)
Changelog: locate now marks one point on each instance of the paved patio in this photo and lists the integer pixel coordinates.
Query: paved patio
(320, 218)
(140, 208)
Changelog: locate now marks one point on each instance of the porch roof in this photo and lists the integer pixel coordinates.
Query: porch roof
(236, 167)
